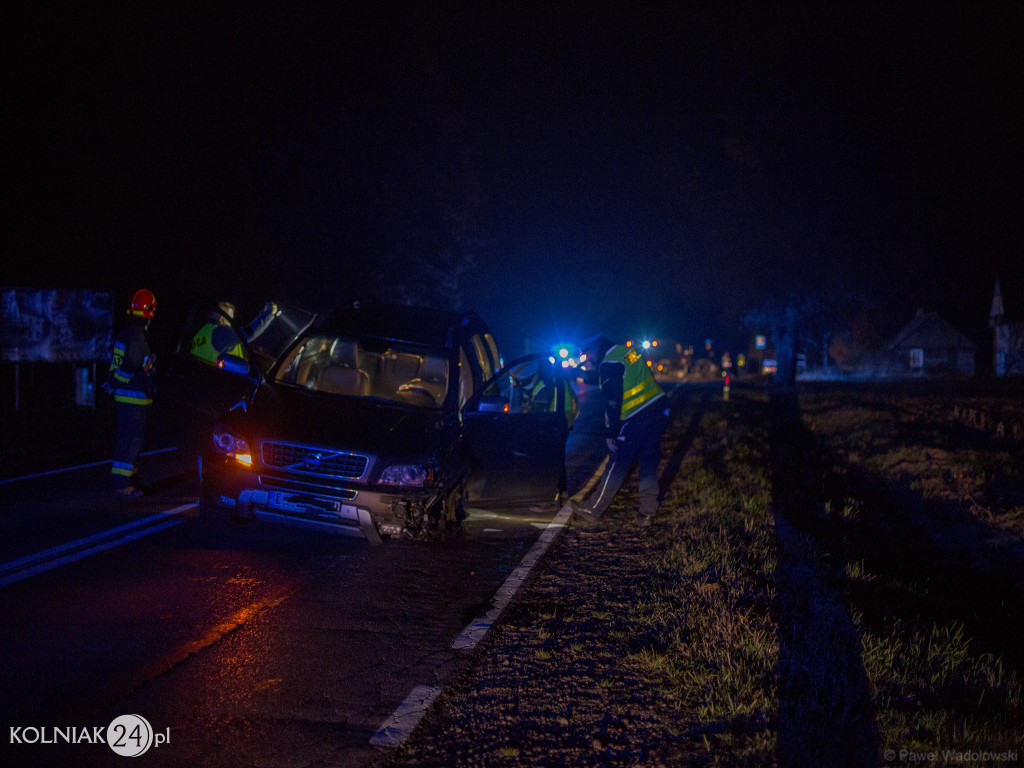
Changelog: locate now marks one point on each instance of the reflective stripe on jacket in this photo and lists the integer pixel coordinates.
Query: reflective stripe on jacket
(128, 374)
(639, 389)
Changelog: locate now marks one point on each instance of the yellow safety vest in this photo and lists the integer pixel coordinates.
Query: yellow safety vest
(639, 388)
(203, 348)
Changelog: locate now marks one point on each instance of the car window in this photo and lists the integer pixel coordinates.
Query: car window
(492, 347)
(527, 387)
(339, 365)
(483, 357)
(466, 386)
(277, 336)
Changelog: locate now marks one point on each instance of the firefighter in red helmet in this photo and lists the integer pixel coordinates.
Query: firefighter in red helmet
(130, 381)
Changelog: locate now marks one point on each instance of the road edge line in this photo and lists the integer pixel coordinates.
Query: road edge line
(30, 565)
(400, 725)
(475, 631)
(49, 472)
(404, 720)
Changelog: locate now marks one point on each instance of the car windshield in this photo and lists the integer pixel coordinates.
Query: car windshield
(338, 365)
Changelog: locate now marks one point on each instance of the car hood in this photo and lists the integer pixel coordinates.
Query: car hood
(362, 425)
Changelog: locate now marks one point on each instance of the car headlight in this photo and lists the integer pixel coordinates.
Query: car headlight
(406, 474)
(228, 444)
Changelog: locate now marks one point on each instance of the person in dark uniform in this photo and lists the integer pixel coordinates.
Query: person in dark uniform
(636, 412)
(129, 380)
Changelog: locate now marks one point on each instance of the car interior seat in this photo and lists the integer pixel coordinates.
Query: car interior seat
(430, 387)
(309, 359)
(434, 377)
(399, 368)
(343, 376)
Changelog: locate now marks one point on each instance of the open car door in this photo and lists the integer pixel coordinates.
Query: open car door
(213, 367)
(516, 428)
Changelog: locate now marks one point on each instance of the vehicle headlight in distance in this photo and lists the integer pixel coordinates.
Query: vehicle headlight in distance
(406, 474)
(226, 443)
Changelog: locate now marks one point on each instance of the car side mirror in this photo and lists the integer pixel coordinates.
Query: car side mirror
(489, 404)
(233, 364)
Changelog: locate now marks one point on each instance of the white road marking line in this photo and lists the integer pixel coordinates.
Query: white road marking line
(79, 466)
(476, 629)
(40, 562)
(403, 720)
(397, 728)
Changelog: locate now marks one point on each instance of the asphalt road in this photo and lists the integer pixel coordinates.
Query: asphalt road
(238, 644)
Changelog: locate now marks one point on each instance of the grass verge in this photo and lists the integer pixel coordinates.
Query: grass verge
(917, 518)
(795, 603)
(710, 589)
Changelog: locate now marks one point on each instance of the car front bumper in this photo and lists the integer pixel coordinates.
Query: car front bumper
(358, 510)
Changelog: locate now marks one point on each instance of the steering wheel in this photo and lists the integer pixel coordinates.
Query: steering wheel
(416, 389)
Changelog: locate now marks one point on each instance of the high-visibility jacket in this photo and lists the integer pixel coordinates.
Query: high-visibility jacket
(215, 340)
(569, 401)
(628, 385)
(572, 404)
(129, 375)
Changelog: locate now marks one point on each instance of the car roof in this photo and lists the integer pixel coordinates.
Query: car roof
(399, 322)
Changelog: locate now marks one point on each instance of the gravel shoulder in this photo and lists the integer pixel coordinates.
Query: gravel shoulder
(553, 684)
(557, 681)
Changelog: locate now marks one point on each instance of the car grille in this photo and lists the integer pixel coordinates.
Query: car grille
(310, 460)
(290, 484)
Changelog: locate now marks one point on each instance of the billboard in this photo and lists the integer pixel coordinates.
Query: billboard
(55, 325)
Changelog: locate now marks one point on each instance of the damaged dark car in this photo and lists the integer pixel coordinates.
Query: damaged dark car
(382, 420)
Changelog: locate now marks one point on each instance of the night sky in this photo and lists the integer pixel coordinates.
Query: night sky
(631, 168)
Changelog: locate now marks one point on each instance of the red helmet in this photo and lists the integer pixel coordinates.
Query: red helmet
(143, 304)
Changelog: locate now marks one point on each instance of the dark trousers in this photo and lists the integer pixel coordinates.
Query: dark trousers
(131, 429)
(639, 441)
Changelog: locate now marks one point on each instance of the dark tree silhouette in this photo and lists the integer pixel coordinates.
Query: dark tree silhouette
(807, 322)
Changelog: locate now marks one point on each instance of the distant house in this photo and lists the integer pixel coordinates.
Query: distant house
(930, 346)
(1008, 347)
(1007, 339)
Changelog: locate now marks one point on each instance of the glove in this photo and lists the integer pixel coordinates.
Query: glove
(612, 443)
